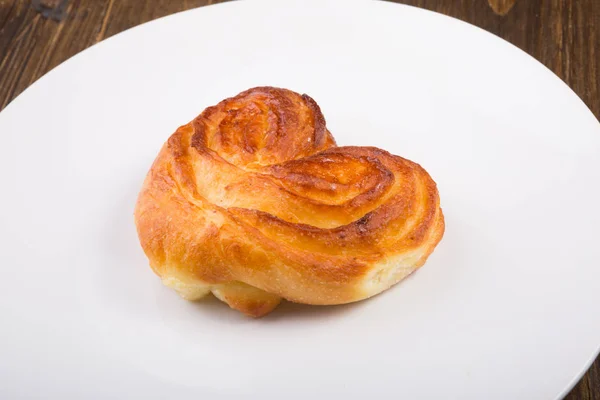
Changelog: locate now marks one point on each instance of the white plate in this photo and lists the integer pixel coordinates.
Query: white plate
(506, 307)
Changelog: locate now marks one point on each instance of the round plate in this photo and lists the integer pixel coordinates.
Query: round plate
(506, 307)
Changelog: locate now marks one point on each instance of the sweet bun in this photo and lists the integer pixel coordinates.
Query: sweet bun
(254, 202)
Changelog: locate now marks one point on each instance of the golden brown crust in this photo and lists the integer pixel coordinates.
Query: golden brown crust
(253, 201)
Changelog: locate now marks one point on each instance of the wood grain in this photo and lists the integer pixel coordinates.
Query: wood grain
(563, 34)
(501, 7)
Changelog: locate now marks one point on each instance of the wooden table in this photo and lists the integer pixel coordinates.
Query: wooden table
(564, 35)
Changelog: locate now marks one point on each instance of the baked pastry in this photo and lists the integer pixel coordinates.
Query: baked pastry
(254, 202)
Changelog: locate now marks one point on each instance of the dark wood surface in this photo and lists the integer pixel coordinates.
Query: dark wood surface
(562, 34)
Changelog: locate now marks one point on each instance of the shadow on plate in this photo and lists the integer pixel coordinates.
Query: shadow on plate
(213, 308)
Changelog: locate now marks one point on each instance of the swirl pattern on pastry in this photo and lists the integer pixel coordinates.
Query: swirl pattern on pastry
(254, 202)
